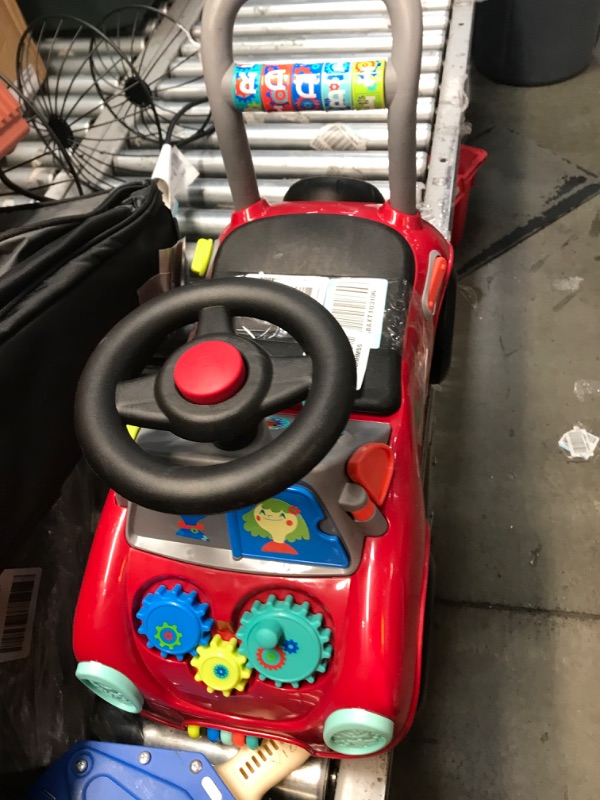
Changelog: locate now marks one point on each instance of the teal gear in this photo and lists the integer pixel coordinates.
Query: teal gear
(174, 621)
(290, 629)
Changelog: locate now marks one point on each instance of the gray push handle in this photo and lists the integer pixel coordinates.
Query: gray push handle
(401, 85)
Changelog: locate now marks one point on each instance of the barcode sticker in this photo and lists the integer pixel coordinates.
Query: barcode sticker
(314, 287)
(358, 304)
(18, 598)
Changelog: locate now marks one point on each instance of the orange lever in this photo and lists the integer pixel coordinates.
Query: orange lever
(371, 466)
(440, 265)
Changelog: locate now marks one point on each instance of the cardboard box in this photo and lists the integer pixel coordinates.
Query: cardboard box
(12, 25)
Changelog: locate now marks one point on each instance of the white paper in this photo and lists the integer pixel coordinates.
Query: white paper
(579, 443)
(173, 173)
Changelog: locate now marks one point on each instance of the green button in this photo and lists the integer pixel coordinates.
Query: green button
(202, 256)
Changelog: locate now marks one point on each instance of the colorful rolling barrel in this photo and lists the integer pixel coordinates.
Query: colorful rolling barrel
(324, 86)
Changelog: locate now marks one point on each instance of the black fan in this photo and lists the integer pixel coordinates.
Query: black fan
(101, 92)
(156, 91)
(69, 145)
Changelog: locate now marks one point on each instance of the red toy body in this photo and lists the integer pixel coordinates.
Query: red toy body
(186, 613)
(375, 614)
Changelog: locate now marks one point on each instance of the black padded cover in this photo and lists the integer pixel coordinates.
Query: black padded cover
(334, 189)
(68, 272)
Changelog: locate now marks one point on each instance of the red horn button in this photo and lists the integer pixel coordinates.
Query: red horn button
(209, 372)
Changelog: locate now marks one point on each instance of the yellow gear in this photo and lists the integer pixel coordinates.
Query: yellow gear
(220, 667)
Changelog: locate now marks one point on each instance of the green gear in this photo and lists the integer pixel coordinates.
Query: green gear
(160, 629)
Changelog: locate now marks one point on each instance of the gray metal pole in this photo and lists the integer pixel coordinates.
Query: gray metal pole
(327, 24)
(406, 20)
(301, 47)
(197, 114)
(325, 8)
(372, 165)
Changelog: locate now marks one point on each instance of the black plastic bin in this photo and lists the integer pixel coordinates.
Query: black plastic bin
(534, 42)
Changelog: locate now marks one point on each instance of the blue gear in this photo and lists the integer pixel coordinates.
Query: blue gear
(174, 610)
(221, 671)
(288, 628)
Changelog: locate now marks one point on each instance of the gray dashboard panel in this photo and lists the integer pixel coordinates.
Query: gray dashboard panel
(159, 533)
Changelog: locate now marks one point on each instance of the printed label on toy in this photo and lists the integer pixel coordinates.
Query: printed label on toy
(285, 528)
(321, 86)
(18, 598)
(276, 87)
(358, 304)
(368, 87)
(190, 527)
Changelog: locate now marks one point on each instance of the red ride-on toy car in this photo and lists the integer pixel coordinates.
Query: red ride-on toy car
(261, 566)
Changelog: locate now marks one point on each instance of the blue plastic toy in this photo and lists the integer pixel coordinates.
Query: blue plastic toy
(99, 771)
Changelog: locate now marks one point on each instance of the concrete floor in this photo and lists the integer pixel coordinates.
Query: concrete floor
(513, 709)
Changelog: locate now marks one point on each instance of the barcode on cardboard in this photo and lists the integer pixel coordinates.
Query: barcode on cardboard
(18, 598)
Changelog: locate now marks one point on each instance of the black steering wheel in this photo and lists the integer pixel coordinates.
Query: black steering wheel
(215, 388)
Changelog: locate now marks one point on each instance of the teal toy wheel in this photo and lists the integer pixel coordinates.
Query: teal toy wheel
(110, 685)
(356, 732)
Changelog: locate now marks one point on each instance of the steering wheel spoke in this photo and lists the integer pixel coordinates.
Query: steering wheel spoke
(290, 383)
(215, 388)
(136, 404)
(214, 320)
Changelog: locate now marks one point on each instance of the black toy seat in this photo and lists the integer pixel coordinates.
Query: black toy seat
(329, 188)
(334, 246)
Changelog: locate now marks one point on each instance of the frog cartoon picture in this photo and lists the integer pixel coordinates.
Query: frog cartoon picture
(278, 521)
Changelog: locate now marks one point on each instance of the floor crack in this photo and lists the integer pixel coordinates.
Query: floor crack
(550, 612)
